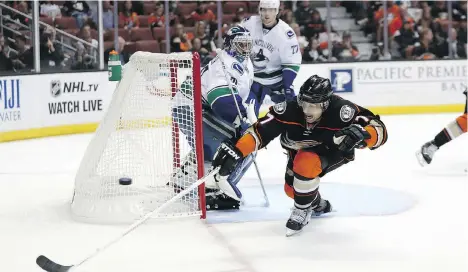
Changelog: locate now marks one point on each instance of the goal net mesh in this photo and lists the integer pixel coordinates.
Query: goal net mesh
(140, 138)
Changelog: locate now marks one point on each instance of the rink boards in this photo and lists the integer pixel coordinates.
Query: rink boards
(33, 106)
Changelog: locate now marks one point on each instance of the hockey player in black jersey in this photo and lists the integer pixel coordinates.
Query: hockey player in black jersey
(320, 132)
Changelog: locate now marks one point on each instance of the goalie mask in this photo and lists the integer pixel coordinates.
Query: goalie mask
(314, 97)
(268, 10)
(238, 43)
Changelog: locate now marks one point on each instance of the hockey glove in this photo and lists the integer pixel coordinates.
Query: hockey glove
(227, 157)
(351, 137)
(241, 125)
(289, 94)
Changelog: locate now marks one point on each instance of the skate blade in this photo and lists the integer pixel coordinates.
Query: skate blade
(290, 232)
(421, 159)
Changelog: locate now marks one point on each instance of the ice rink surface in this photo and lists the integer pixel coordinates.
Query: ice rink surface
(392, 215)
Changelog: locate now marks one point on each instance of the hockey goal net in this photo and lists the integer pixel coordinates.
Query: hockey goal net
(153, 124)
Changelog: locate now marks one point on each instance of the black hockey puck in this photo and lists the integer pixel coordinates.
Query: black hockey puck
(125, 181)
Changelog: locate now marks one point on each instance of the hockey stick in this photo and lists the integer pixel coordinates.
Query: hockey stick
(220, 56)
(49, 265)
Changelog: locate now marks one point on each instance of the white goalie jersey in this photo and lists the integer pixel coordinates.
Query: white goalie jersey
(273, 50)
(213, 79)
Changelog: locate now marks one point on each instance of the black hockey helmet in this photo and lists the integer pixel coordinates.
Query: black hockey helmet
(315, 90)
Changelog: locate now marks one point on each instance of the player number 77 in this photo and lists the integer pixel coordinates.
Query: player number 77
(295, 48)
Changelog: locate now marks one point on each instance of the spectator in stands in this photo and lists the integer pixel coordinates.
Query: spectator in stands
(462, 38)
(124, 56)
(439, 10)
(77, 9)
(426, 20)
(369, 25)
(315, 26)
(345, 50)
(181, 41)
(240, 15)
(87, 55)
(458, 48)
(22, 7)
(287, 16)
(313, 52)
(206, 41)
(406, 36)
(156, 19)
(107, 15)
(25, 58)
(49, 9)
(425, 48)
(21, 23)
(219, 42)
(460, 10)
(202, 13)
(138, 7)
(394, 24)
(51, 55)
(5, 52)
(204, 54)
(303, 14)
(302, 40)
(128, 17)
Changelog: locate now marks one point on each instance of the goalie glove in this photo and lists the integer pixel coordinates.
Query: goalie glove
(351, 137)
(241, 125)
(227, 157)
(284, 94)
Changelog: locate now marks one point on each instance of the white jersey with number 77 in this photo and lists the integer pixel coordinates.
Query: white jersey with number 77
(273, 50)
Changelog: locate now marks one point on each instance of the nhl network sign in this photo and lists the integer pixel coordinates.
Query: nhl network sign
(75, 89)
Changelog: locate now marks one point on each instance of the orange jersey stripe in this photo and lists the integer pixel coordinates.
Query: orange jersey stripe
(374, 137)
(246, 144)
(462, 122)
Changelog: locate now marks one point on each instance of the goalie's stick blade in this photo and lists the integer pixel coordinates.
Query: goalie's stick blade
(48, 265)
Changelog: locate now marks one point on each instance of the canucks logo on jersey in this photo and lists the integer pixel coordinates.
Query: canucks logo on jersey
(237, 67)
(260, 61)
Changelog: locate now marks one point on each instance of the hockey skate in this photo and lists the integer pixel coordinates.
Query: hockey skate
(300, 217)
(426, 153)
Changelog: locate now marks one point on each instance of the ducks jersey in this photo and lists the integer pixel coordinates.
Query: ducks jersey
(287, 121)
(274, 52)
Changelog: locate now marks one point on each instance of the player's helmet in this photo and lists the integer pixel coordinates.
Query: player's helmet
(269, 4)
(315, 90)
(238, 42)
(314, 97)
(268, 10)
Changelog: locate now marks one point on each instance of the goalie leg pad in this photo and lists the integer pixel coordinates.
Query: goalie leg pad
(215, 131)
(240, 169)
(228, 187)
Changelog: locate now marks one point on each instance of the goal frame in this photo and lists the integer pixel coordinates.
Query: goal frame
(96, 198)
(197, 104)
